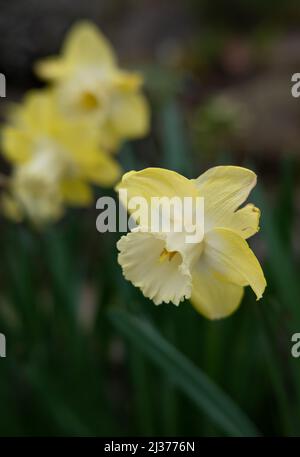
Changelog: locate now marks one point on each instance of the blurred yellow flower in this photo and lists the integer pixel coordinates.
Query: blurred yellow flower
(90, 85)
(212, 272)
(32, 192)
(55, 161)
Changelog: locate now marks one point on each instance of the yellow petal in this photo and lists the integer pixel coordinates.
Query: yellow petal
(161, 280)
(100, 168)
(156, 182)
(127, 82)
(231, 258)
(37, 113)
(109, 139)
(245, 221)
(212, 297)
(76, 192)
(129, 114)
(16, 145)
(84, 45)
(224, 188)
(52, 68)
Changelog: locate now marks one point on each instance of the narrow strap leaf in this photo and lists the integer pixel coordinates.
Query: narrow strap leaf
(207, 396)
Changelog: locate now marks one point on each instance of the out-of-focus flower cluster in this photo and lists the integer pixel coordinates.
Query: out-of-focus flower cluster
(61, 140)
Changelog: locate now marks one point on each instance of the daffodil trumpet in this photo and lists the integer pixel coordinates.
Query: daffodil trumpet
(212, 272)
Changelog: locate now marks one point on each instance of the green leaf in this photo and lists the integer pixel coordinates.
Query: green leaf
(208, 397)
(281, 264)
(284, 211)
(173, 138)
(63, 416)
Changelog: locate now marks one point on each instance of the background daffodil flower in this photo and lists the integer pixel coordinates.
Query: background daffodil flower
(213, 272)
(55, 161)
(90, 85)
(32, 194)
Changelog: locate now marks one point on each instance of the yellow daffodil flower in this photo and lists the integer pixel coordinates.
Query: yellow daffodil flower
(55, 161)
(90, 85)
(212, 272)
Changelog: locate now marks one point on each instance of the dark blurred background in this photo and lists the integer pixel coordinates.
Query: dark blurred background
(231, 64)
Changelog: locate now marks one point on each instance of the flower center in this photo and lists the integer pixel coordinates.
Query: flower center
(89, 101)
(167, 255)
